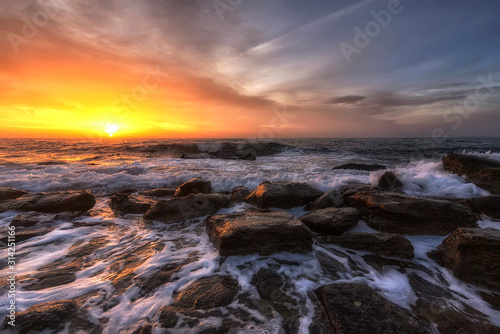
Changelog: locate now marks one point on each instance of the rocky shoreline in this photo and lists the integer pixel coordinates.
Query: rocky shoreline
(469, 252)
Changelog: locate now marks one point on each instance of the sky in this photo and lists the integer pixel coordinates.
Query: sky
(249, 68)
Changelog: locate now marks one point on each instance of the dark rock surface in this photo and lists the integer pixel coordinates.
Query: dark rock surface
(331, 220)
(194, 186)
(483, 172)
(356, 308)
(365, 167)
(122, 203)
(207, 293)
(488, 205)
(397, 213)
(11, 193)
(258, 232)
(330, 199)
(185, 208)
(472, 254)
(283, 195)
(390, 182)
(384, 244)
(239, 193)
(51, 202)
(160, 192)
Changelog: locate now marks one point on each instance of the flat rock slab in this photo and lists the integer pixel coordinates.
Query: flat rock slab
(11, 193)
(51, 202)
(284, 195)
(258, 232)
(383, 244)
(186, 208)
(473, 255)
(331, 221)
(357, 308)
(403, 214)
(488, 205)
(207, 293)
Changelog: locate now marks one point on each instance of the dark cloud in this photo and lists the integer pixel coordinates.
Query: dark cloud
(347, 99)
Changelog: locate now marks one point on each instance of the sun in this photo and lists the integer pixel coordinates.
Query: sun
(111, 129)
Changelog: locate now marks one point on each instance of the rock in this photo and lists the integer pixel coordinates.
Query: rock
(122, 203)
(483, 172)
(194, 186)
(11, 193)
(198, 156)
(236, 155)
(383, 244)
(390, 182)
(472, 255)
(331, 220)
(356, 189)
(169, 317)
(330, 265)
(283, 195)
(488, 205)
(207, 293)
(365, 167)
(28, 233)
(30, 219)
(51, 202)
(331, 199)
(40, 317)
(356, 308)
(186, 208)
(160, 192)
(239, 193)
(258, 232)
(397, 213)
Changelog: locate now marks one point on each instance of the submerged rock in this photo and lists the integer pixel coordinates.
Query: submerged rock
(383, 244)
(331, 199)
(160, 192)
(472, 254)
(365, 167)
(331, 220)
(11, 193)
(236, 155)
(397, 213)
(198, 156)
(207, 293)
(283, 195)
(258, 232)
(51, 202)
(186, 208)
(239, 193)
(390, 182)
(194, 186)
(488, 205)
(122, 203)
(483, 172)
(356, 308)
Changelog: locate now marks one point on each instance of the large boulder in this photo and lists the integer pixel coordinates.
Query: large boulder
(258, 232)
(397, 213)
(239, 193)
(186, 208)
(390, 182)
(160, 192)
(207, 293)
(122, 203)
(194, 186)
(330, 199)
(357, 308)
(331, 220)
(383, 244)
(472, 254)
(283, 195)
(11, 193)
(51, 202)
(488, 205)
(483, 172)
(365, 167)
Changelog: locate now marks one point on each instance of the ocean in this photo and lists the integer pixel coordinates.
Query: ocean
(108, 166)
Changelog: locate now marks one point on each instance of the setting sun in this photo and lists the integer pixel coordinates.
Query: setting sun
(111, 129)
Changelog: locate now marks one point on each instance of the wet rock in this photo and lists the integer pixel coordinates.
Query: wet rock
(397, 213)
(472, 255)
(198, 156)
(331, 199)
(390, 182)
(40, 317)
(488, 205)
(379, 262)
(169, 317)
(365, 167)
(194, 186)
(11, 193)
(383, 244)
(483, 172)
(30, 219)
(239, 193)
(146, 329)
(356, 308)
(236, 155)
(349, 191)
(122, 203)
(331, 265)
(160, 192)
(164, 275)
(258, 232)
(51, 202)
(283, 195)
(28, 233)
(186, 208)
(331, 220)
(207, 293)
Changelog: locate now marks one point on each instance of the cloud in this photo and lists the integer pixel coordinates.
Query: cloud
(347, 99)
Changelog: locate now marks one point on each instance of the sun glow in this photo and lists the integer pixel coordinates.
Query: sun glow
(111, 129)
